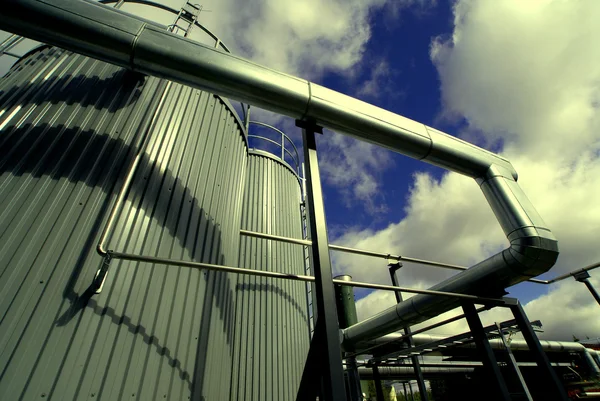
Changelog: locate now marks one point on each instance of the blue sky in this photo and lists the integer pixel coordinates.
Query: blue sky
(518, 77)
(411, 89)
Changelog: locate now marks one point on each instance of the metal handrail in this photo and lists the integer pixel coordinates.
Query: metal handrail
(295, 277)
(281, 144)
(389, 256)
(571, 274)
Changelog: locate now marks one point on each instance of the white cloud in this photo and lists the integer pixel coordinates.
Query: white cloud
(306, 37)
(525, 74)
(354, 167)
(379, 81)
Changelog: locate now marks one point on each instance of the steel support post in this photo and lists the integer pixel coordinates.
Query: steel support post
(554, 388)
(378, 385)
(346, 306)
(330, 367)
(583, 277)
(310, 383)
(393, 268)
(499, 390)
(412, 395)
(513, 363)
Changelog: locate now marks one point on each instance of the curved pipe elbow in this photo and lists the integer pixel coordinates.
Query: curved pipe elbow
(533, 250)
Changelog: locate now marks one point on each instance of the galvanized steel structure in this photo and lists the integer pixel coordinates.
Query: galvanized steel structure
(144, 47)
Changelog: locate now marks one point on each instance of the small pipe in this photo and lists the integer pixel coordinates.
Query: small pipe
(276, 237)
(297, 277)
(363, 252)
(592, 289)
(101, 248)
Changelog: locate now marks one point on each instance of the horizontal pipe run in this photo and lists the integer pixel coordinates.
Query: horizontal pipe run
(515, 344)
(390, 372)
(436, 370)
(297, 277)
(474, 298)
(387, 340)
(356, 251)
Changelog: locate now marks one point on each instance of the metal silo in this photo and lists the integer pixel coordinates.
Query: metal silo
(272, 335)
(70, 128)
(93, 153)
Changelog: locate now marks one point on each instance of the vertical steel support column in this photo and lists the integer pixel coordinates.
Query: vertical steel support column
(412, 395)
(555, 389)
(393, 268)
(378, 386)
(330, 356)
(499, 391)
(513, 363)
(346, 307)
(582, 277)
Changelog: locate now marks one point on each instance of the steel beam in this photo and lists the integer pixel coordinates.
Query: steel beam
(513, 362)
(309, 387)
(393, 268)
(331, 369)
(583, 277)
(554, 388)
(499, 390)
(378, 386)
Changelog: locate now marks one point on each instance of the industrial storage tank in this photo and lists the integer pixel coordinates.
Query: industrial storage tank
(277, 336)
(70, 130)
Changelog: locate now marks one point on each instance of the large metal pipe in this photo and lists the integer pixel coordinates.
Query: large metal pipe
(396, 372)
(117, 37)
(435, 370)
(495, 343)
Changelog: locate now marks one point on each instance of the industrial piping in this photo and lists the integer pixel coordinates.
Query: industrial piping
(120, 38)
(590, 355)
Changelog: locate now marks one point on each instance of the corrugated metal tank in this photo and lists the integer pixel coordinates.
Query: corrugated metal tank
(276, 338)
(69, 126)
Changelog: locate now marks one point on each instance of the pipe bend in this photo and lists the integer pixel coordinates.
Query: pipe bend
(532, 250)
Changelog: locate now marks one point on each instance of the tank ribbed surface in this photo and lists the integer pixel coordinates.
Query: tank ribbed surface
(69, 126)
(272, 333)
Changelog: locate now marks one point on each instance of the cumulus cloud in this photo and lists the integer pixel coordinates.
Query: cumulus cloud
(379, 81)
(306, 37)
(354, 167)
(526, 72)
(525, 75)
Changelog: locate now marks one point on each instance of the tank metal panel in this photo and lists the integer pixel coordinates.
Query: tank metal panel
(272, 332)
(68, 130)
